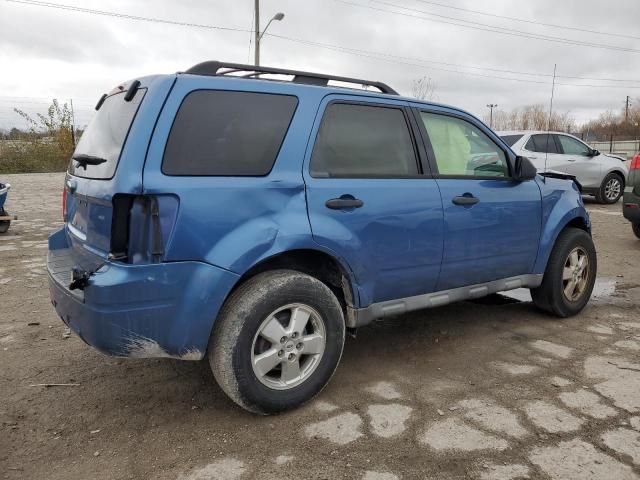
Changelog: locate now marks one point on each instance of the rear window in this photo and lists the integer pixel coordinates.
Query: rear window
(105, 135)
(223, 133)
(511, 139)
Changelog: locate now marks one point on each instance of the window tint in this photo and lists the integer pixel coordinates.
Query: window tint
(511, 139)
(571, 146)
(542, 143)
(363, 141)
(227, 133)
(461, 148)
(105, 135)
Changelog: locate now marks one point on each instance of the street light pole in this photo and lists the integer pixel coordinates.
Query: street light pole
(258, 34)
(256, 28)
(491, 106)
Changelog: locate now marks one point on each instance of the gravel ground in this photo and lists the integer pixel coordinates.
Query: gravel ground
(486, 390)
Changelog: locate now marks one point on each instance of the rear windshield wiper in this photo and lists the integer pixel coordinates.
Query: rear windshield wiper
(85, 160)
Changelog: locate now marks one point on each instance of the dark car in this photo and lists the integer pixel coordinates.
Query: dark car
(631, 200)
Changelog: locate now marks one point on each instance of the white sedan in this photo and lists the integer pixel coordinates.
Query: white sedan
(600, 175)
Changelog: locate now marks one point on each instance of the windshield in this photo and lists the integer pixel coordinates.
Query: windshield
(105, 135)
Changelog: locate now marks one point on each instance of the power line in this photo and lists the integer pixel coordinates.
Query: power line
(411, 61)
(532, 22)
(126, 16)
(423, 61)
(484, 27)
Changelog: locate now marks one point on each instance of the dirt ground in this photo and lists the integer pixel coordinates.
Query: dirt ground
(486, 390)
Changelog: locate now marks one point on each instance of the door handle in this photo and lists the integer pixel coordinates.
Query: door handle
(344, 202)
(465, 200)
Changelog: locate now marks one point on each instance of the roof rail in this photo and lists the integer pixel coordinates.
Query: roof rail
(215, 68)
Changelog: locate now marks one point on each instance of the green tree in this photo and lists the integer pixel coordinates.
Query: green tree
(46, 146)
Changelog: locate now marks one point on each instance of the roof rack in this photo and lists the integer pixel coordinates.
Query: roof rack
(215, 68)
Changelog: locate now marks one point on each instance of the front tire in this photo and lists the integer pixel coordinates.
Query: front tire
(277, 341)
(570, 275)
(611, 189)
(4, 226)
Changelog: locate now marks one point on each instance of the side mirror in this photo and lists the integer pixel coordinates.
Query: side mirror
(524, 169)
(594, 152)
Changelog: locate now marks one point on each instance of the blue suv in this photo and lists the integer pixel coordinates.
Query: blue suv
(254, 215)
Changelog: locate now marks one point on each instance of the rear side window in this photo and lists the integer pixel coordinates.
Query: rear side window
(105, 135)
(511, 139)
(542, 143)
(363, 141)
(223, 133)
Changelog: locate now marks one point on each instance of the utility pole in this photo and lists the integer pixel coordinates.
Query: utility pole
(256, 28)
(626, 109)
(491, 106)
(73, 124)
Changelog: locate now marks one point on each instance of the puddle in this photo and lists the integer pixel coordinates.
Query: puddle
(604, 288)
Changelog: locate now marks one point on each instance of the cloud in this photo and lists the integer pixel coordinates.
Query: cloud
(48, 53)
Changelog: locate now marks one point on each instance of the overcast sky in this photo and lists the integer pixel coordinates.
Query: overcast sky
(53, 53)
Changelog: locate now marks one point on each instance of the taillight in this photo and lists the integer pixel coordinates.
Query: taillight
(65, 191)
(635, 163)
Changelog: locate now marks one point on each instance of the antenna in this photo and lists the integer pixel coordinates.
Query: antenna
(553, 89)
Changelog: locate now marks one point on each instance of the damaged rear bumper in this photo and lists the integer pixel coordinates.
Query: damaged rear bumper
(151, 310)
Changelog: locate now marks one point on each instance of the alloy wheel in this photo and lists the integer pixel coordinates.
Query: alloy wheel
(288, 346)
(612, 189)
(575, 274)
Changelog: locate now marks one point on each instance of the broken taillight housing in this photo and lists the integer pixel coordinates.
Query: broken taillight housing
(65, 191)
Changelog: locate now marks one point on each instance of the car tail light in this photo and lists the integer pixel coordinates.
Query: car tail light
(635, 163)
(65, 191)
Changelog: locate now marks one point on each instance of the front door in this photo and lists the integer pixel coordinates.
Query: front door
(369, 200)
(491, 222)
(579, 161)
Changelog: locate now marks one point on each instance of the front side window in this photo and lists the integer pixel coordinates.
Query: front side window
(462, 149)
(571, 146)
(225, 133)
(542, 143)
(363, 141)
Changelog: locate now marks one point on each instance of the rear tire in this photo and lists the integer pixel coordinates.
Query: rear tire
(636, 229)
(277, 341)
(570, 275)
(611, 189)
(4, 226)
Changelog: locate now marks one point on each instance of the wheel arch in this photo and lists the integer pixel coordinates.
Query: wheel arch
(319, 264)
(573, 219)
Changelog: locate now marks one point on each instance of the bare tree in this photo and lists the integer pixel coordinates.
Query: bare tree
(424, 88)
(531, 117)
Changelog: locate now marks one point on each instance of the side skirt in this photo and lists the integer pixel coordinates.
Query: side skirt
(359, 317)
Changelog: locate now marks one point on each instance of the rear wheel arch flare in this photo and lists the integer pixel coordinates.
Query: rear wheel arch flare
(316, 263)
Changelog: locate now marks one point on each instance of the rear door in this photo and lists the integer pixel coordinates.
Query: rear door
(370, 201)
(491, 222)
(543, 150)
